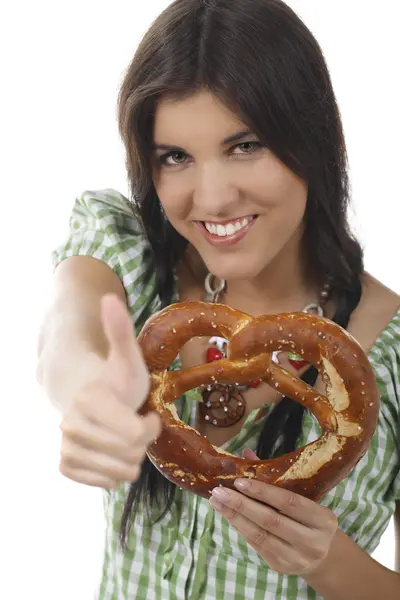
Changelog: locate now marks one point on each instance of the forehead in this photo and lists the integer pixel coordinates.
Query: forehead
(199, 116)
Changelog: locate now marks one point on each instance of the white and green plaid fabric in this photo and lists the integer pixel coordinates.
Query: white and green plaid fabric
(192, 553)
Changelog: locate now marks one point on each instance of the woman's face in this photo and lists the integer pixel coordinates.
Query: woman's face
(229, 196)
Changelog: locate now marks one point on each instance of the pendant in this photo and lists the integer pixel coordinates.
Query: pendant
(297, 361)
(222, 405)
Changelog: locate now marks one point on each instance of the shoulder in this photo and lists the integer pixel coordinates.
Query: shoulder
(107, 209)
(377, 316)
(105, 225)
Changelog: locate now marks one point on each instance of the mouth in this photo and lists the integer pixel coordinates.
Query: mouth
(226, 232)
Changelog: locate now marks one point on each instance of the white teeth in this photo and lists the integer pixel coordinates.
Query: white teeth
(224, 230)
(221, 230)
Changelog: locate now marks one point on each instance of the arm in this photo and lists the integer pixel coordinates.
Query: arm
(296, 536)
(397, 536)
(349, 573)
(72, 329)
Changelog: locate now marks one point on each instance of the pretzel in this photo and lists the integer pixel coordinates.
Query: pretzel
(347, 414)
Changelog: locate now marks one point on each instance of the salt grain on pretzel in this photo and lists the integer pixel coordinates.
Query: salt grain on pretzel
(347, 414)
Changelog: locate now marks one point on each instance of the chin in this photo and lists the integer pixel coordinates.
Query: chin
(233, 269)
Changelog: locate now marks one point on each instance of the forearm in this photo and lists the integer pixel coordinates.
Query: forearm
(349, 573)
(70, 355)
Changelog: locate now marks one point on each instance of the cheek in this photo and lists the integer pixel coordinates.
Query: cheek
(173, 197)
(281, 191)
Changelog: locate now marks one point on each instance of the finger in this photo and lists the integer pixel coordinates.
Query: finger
(108, 412)
(92, 479)
(124, 355)
(78, 458)
(249, 454)
(267, 519)
(91, 435)
(117, 325)
(293, 505)
(260, 539)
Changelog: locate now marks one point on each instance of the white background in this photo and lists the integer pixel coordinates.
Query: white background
(62, 63)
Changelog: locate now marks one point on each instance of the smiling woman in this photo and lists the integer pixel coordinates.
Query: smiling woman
(207, 182)
(238, 172)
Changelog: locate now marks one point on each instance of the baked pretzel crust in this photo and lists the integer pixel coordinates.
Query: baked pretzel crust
(347, 413)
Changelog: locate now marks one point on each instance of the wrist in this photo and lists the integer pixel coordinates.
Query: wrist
(322, 574)
(349, 573)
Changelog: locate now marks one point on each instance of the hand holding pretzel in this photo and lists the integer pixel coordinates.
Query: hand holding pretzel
(347, 414)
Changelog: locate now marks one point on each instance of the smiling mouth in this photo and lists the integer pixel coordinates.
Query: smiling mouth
(227, 232)
(228, 227)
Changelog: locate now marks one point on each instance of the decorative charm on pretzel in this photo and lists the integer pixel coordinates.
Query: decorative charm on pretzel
(347, 414)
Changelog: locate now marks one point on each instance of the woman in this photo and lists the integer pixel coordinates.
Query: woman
(237, 167)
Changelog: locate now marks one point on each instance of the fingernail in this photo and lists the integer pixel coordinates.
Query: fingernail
(242, 484)
(216, 504)
(221, 494)
(249, 454)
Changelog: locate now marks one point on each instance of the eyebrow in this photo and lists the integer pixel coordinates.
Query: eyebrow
(232, 138)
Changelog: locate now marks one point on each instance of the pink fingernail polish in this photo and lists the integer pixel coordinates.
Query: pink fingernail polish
(221, 494)
(242, 484)
(216, 503)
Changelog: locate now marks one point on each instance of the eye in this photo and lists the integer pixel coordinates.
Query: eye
(177, 158)
(248, 147)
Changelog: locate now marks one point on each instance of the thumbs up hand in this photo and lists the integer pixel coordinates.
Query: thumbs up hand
(104, 440)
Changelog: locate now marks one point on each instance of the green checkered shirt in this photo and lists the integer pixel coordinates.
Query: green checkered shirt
(193, 553)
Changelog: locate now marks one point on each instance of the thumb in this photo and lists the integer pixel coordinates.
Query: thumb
(249, 454)
(125, 356)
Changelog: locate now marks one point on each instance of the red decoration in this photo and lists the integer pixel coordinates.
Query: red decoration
(255, 384)
(298, 364)
(214, 354)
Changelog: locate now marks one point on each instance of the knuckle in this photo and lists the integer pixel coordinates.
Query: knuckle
(292, 500)
(330, 520)
(65, 468)
(139, 427)
(144, 388)
(302, 565)
(319, 551)
(68, 458)
(112, 484)
(237, 504)
(69, 429)
(137, 455)
(135, 473)
(257, 490)
(231, 515)
(272, 520)
(260, 537)
(124, 472)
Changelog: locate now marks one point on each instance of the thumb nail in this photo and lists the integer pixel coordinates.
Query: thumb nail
(249, 454)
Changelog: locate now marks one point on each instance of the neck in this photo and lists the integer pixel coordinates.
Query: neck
(284, 286)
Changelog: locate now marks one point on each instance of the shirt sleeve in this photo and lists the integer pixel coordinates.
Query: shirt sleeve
(103, 225)
(396, 389)
(389, 386)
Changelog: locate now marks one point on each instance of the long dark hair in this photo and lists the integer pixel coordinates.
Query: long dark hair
(262, 62)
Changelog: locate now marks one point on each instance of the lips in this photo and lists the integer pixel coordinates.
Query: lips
(228, 227)
(226, 232)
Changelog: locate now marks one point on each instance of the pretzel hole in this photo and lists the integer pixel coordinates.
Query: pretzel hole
(251, 470)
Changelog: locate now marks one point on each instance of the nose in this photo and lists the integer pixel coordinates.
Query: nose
(215, 194)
